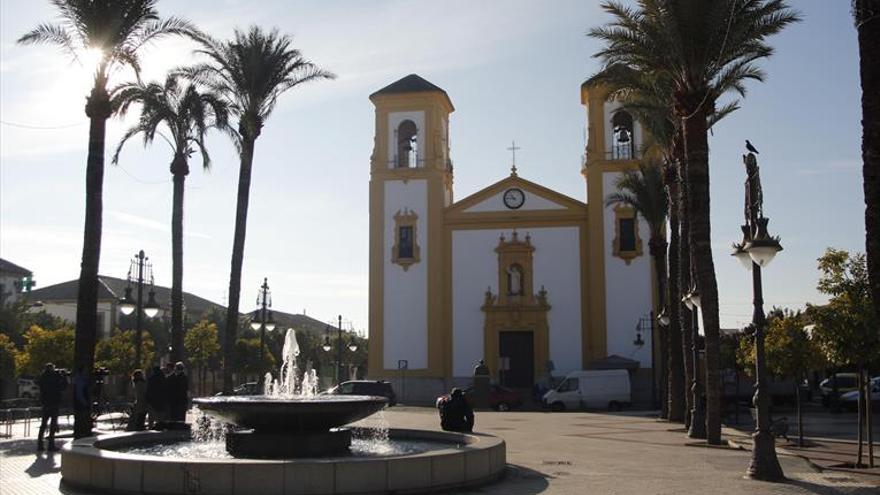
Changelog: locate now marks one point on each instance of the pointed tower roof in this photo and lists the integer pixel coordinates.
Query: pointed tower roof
(412, 83)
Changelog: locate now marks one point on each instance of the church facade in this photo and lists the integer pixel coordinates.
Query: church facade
(528, 280)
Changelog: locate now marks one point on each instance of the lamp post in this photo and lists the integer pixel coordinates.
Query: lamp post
(352, 346)
(140, 263)
(262, 320)
(698, 415)
(756, 251)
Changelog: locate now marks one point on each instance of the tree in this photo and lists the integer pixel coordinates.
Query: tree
(644, 192)
(790, 353)
(118, 29)
(202, 346)
(250, 72)
(709, 48)
(7, 363)
(866, 14)
(246, 360)
(45, 346)
(19, 316)
(188, 115)
(117, 353)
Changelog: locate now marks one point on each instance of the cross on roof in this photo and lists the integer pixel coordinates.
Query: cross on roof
(512, 149)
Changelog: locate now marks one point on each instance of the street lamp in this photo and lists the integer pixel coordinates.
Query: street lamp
(140, 263)
(262, 319)
(352, 346)
(698, 416)
(761, 248)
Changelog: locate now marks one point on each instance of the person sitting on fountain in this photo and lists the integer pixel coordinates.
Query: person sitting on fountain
(456, 414)
(139, 408)
(177, 386)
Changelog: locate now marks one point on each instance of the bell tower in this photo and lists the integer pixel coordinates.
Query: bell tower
(621, 271)
(410, 185)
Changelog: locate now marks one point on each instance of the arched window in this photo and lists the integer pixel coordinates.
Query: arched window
(407, 145)
(622, 138)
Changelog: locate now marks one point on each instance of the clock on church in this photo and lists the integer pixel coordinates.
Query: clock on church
(514, 198)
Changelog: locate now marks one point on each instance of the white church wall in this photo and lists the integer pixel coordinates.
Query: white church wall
(394, 120)
(405, 314)
(627, 289)
(475, 268)
(557, 267)
(532, 202)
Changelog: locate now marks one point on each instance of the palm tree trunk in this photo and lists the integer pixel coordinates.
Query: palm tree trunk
(675, 366)
(867, 14)
(244, 187)
(697, 156)
(657, 248)
(685, 321)
(180, 169)
(98, 110)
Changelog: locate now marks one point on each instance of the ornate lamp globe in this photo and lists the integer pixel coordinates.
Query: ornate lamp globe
(686, 299)
(663, 318)
(695, 298)
(270, 322)
(763, 248)
(326, 345)
(739, 250)
(352, 345)
(255, 320)
(151, 309)
(127, 304)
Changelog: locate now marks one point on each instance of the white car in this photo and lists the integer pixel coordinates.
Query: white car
(850, 400)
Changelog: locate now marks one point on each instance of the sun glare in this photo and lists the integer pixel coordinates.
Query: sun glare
(90, 59)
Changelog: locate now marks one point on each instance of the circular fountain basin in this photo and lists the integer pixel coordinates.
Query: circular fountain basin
(456, 460)
(272, 414)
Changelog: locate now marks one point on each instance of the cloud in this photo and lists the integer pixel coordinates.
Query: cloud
(139, 221)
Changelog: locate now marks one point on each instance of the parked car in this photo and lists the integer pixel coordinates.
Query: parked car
(249, 388)
(850, 400)
(845, 382)
(365, 387)
(591, 389)
(500, 398)
(28, 388)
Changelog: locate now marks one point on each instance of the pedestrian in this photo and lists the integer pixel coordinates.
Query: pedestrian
(178, 393)
(139, 409)
(82, 403)
(155, 397)
(456, 414)
(51, 383)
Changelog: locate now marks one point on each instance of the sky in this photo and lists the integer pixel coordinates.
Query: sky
(513, 71)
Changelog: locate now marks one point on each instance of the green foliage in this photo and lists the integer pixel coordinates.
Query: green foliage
(7, 357)
(790, 351)
(45, 346)
(247, 358)
(846, 327)
(201, 343)
(117, 353)
(644, 191)
(17, 317)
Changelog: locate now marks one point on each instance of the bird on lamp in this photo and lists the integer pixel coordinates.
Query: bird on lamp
(751, 148)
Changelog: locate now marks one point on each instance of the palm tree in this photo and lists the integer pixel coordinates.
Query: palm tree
(867, 19)
(187, 114)
(644, 192)
(250, 72)
(118, 28)
(709, 48)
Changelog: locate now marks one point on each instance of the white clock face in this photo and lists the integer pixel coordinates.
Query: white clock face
(514, 198)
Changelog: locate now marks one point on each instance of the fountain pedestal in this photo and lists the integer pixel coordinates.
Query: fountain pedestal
(254, 444)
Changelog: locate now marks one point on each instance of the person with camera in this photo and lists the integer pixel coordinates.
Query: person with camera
(51, 383)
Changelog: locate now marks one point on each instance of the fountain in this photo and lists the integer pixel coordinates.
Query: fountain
(289, 420)
(290, 441)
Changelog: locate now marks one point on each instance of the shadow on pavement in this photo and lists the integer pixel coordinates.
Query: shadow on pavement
(828, 490)
(45, 463)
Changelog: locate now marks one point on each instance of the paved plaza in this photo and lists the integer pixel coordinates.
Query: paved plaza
(548, 453)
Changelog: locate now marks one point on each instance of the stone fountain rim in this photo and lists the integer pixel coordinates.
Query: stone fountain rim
(102, 445)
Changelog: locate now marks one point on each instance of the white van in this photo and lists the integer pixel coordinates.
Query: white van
(593, 389)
